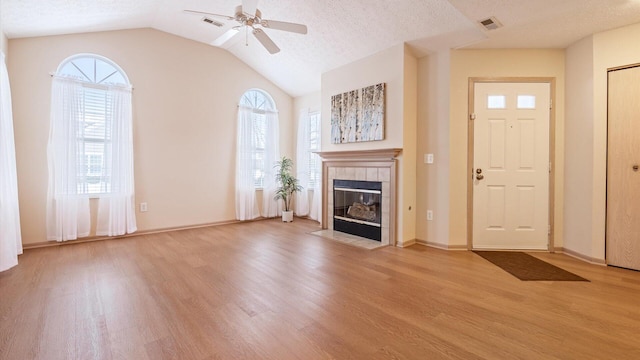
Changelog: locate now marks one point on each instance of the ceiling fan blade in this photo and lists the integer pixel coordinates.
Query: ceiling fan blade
(225, 37)
(226, 17)
(285, 26)
(266, 41)
(249, 7)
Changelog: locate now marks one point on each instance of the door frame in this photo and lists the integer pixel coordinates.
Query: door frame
(470, 147)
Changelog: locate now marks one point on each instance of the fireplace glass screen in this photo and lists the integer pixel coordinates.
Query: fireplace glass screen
(357, 208)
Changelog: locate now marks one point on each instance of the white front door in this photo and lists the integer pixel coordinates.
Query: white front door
(511, 165)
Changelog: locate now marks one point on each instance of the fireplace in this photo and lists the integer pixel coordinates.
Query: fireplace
(361, 167)
(357, 208)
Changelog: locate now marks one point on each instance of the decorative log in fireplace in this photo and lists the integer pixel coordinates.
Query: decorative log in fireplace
(357, 207)
(362, 212)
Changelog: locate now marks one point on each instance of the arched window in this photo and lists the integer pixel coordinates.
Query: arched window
(96, 76)
(256, 153)
(93, 69)
(260, 103)
(90, 149)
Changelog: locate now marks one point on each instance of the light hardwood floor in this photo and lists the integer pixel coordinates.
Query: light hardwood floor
(270, 290)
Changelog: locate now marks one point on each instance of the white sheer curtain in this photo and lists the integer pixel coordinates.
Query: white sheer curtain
(116, 210)
(68, 210)
(302, 164)
(271, 207)
(68, 216)
(315, 210)
(10, 235)
(246, 205)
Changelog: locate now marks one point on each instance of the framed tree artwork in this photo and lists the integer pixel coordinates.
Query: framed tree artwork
(358, 115)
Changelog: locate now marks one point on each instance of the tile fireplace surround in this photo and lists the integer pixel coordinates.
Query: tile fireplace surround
(364, 165)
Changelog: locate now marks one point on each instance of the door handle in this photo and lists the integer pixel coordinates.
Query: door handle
(635, 167)
(479, 175)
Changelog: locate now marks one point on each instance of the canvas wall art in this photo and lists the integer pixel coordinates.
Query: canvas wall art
(358, 115)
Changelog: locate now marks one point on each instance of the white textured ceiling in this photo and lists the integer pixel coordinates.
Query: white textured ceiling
(340, 31)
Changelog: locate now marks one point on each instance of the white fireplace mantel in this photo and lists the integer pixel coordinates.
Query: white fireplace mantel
(366, 165)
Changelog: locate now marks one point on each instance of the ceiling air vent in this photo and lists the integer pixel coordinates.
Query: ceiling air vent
(490, 24)
(212, 22)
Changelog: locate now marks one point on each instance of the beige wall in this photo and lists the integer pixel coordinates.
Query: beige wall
(611, 49)
(588, 61)
(409, 147)
(579, 148)
(497, 63)
(184, 103)
(397, 68)
(387, 67)
(432, 187)
(309, 101)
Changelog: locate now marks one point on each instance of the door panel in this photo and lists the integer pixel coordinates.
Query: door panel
(496, 204)
(497, 143)
(511, 150)
(623, 182)
(526, 139)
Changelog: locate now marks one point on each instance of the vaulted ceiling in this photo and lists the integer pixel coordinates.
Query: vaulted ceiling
(339, 31)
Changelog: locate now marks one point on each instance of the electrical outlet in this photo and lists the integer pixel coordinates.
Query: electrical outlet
(143, 207)
(429, 215)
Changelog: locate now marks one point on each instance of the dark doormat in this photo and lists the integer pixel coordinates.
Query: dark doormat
(528, 268)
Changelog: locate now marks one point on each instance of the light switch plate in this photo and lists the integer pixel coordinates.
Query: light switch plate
(428, 158)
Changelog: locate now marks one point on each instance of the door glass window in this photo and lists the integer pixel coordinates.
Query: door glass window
(526, 101)
(496, 102)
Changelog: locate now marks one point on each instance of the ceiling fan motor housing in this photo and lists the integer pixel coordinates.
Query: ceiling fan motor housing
(248, 19)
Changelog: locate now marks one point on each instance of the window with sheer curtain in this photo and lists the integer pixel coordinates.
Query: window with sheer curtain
(257, 151)
(90, 149)
(309, 169)
(314, 145)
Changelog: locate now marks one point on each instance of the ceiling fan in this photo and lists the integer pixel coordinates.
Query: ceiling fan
(250, 17)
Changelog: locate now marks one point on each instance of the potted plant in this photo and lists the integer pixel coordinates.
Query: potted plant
(287, 185)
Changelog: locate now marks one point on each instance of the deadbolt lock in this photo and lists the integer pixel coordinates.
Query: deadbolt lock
(479, 175)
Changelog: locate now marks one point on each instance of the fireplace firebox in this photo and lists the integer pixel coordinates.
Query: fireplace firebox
(357, 208)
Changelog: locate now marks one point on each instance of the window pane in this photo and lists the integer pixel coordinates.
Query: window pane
(257, 100)
(93, 70)
(526, 101)
(496, 102)
(93, 133)
(259, 129)
(258, 166)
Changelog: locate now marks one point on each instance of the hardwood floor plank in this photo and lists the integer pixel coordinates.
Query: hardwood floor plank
(271, 290)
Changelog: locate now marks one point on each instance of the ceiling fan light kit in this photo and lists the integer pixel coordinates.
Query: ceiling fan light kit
(250, 17)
